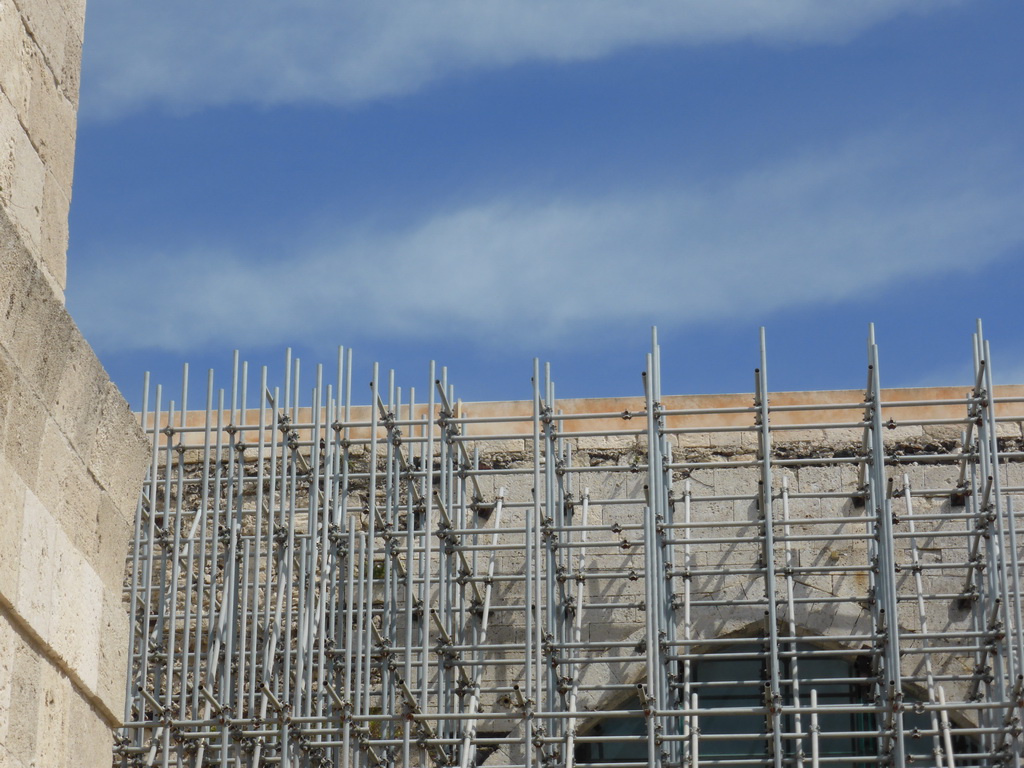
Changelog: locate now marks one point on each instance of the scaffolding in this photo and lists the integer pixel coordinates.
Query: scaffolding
(794, 579)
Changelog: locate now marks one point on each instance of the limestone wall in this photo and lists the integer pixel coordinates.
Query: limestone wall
(71, 457)
(40, 59)
(288, 558)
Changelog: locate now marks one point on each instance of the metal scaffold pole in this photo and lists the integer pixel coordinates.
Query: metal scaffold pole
(655, 581)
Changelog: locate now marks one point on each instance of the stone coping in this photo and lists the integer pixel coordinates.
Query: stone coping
(908, 406)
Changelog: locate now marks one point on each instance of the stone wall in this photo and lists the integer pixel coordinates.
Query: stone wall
(40, 60)
(71, 457)
(289, 558)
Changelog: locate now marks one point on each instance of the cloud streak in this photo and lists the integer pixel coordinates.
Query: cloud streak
(188, 55)
(825, 226)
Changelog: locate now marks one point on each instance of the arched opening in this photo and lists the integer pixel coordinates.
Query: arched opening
(734, 679)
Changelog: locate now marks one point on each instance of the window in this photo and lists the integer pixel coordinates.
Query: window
(835, 678)
(736, 677)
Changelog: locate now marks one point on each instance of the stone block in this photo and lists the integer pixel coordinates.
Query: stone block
(903, 435)
(14, 50)
(50, 120)
(38, 563)
(54, 245)
(791, 438)
(727, 619)
(12, 500)
(1014, 475)
(746, 511)
(8, 381)
(611, 617)
(933, 477)
(89, 740)
(51, 26)
(738, 481)
(812, 585)
(610, 632)
(820, 479)
(39, 341)
(66, 489)
(26, 691)
(1008, 429)
(615, 590)
(612, 487)
(77, 396)
(22, 179)
(69, 77)
(112, 654)
(119, 455)
(44, 368)
(77, 606)
(848, 438)
(943, 433)
(8, 642)
(733, 443)
(113, 534)
(488, 448)
(55, 695)
(8, 760)
(707, 512)
(16, 274)
(784, 476)
(518, 488)
(613, 443)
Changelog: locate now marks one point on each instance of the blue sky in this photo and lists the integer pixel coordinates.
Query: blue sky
(484, 182)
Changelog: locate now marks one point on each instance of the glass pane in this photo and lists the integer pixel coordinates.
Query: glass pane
(609, 750)
(750, 693)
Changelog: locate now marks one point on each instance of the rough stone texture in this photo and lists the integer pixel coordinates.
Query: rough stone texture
(71, 455)
(40, 56)
(54, 725)
(70, 467)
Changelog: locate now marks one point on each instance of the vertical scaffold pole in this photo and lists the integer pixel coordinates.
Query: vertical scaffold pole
(650, 695)
(887, 569)
(773, 694)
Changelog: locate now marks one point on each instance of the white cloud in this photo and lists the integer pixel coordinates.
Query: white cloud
(829, 225)
(191, 54)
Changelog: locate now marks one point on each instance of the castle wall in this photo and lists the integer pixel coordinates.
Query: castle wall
(71, 456)
(40, 61)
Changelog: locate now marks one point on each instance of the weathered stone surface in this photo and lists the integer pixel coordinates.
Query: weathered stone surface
(80, 388)
(40, 57)
(8, 643)
(34, 599)
(25, 697)
(50, 120)
(112, 653)
(71, 456)
(113, 533)
(12, 492)
(22, 179)
(8, 759)
(14, 49)
(89, 740)
(55, 696)
(54, 243)
(67, 490)
(48, 26)
(78, 604)
(119, 455)
(38, 339)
